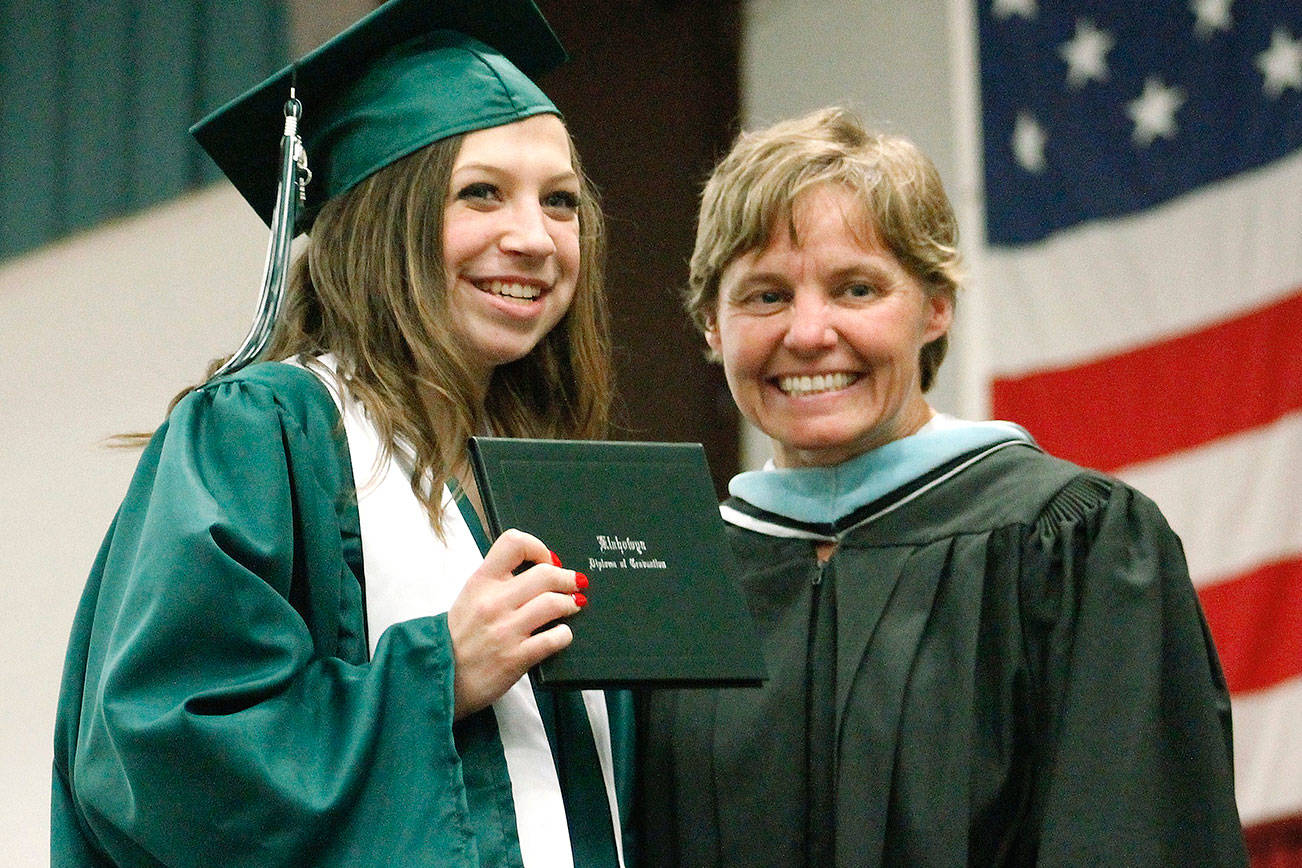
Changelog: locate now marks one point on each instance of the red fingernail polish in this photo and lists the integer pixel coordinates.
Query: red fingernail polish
(580, 581)
(556, 562)
(580, 600)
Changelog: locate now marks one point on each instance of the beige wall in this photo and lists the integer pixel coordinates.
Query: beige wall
(98, 332)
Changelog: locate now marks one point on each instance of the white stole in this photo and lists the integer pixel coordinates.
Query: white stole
(411, 573)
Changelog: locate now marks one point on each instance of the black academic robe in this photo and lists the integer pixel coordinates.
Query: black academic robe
(1009, 668)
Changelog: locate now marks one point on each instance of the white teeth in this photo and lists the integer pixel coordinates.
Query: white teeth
(512, 290)
(810, 385)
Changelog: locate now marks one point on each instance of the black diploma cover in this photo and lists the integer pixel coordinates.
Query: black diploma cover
(640, 519)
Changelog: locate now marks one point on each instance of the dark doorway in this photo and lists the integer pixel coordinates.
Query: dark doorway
(652, 99)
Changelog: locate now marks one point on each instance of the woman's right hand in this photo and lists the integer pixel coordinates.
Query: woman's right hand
(494, 618)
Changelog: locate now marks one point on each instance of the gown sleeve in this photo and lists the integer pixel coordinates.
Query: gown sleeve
(1135, 757)
(217, 703)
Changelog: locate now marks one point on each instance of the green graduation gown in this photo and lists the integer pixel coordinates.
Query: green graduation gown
(219, 702)
(1002, 663)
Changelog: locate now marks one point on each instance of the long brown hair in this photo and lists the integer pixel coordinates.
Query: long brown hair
(369, 288)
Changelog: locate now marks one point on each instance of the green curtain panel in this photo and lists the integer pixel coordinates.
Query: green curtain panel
(96, 97)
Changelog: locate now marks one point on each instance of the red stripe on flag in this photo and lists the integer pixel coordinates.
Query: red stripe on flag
(1277, 844)
(1256, 623)
(1165, 396)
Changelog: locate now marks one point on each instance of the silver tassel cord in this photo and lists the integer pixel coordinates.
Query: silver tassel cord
(291, 192)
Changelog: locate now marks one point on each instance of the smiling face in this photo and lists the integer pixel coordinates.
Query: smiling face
(510, 239)
(820, 336)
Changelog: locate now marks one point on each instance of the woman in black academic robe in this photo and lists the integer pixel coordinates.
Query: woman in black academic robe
(978, 654)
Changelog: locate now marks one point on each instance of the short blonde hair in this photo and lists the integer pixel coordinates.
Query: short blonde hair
(753, 189)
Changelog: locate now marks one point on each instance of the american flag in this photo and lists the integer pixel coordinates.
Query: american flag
(1142, 266)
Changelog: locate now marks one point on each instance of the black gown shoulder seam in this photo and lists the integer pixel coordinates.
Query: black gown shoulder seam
(1082, 495)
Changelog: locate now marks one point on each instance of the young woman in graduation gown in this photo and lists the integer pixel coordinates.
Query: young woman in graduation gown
(296, 646)
(978, 654)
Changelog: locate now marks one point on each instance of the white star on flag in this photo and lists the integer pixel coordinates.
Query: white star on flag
(1281, 64)
(1212, 15)
(1020, 8)
(1086, 54)
(1154, 112)
(1028, 143)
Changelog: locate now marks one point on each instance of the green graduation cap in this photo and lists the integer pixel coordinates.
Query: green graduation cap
(410, 73)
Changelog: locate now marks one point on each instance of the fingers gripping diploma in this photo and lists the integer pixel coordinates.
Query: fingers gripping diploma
(494, 618)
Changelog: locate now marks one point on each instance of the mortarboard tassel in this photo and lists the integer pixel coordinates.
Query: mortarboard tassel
(291, 192)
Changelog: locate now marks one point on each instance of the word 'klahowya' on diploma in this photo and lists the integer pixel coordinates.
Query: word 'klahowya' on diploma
(625, 546)
(621, 544)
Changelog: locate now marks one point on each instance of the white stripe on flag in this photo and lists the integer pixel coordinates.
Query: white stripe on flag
(1267, 761)
(1254, 477)
(1105, 274)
